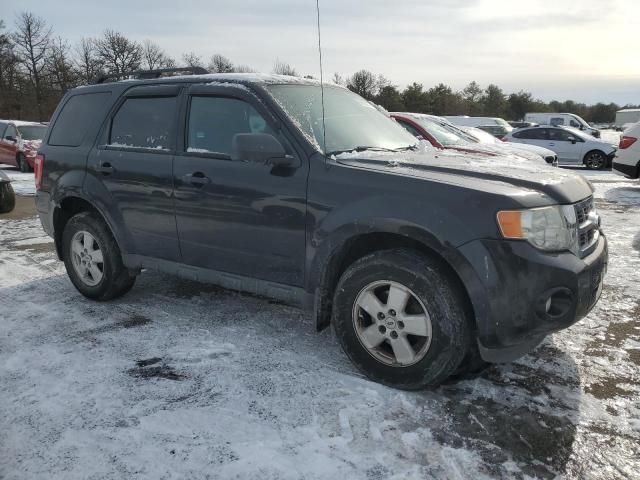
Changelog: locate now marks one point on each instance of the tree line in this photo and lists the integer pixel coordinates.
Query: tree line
(37, 67)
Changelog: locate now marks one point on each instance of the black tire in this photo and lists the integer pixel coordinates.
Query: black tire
(23, 165)
(433, 286)
(7, 198)
(116, 279)
(596, 160)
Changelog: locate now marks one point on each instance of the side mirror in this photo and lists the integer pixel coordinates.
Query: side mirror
(10, 138)
(572, 140)
(259, 148)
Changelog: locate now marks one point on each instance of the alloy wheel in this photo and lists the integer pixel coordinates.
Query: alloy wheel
(87, 259)
(392, 323)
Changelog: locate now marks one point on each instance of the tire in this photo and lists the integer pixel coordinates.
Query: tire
(23, 165)
(430, 288)
(7, 198)
(110, 279)
(596, 160)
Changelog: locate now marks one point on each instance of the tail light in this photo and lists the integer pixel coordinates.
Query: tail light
(626, 142)
(38, 167)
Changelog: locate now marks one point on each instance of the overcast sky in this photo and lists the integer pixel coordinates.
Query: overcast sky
(586, 50)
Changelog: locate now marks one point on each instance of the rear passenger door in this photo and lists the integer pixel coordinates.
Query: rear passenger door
(134, 163)
(236, 216)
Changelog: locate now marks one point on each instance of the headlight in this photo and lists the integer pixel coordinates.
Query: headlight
(548, 228)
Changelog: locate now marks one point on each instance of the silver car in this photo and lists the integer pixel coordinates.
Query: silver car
(572, 146)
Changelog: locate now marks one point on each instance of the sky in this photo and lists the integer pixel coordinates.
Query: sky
(585, 50)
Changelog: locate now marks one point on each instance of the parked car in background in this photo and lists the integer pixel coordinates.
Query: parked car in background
(562, 120)
(497, 131)
(240, 180)
(522, 124)
(572, 146)
(549, 156)
(443, 134)
(7, 195)
(468, 121)
(19, 142)
(627, 159)
(627, 117)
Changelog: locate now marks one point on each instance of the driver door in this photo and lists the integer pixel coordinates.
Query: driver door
(567, 146)
(238, 217)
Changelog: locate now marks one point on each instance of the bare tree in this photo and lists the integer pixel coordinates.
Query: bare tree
(190, 59)
(32, 40)
(283, 68)
(117, 53)
(244, 69)
(9, 76)
(220, 64)
(86, 59)
(60, 67)
(154, 57)
(337, 79)
(364, 83)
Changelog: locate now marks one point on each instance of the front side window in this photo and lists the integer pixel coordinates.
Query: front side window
(573, 123)
(350, 122)
(532, 134)
(410, 128)
(146, 122)
(560, 135)
(214, 121)
(10, 132)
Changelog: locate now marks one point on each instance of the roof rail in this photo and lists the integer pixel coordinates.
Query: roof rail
(148, 74)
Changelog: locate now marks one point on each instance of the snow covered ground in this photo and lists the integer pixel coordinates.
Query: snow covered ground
(22, 183)
(184, 380)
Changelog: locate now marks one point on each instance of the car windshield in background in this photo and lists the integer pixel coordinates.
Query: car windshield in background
(32, 132)
(484, 137)
(351, 122)
(445, 135)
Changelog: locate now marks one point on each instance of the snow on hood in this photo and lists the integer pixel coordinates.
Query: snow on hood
(562, 185)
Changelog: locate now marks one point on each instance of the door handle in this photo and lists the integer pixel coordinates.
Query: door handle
(197, 178)
(105, 168)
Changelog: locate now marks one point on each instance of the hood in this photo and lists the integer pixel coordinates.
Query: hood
(501, 150)
(510, 174)
(530, 148)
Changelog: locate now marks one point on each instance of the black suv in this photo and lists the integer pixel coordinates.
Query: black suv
(427, 263)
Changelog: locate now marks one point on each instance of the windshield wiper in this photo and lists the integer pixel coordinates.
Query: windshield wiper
(363, 148)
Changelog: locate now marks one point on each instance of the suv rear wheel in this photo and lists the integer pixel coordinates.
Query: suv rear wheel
(93, 260)
(400, 319)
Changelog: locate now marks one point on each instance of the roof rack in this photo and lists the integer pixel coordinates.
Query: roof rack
(148, 74)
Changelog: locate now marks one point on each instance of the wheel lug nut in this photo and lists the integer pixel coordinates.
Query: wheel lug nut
(400, 325)
(382, 329)
(380, 316)
(392, 312)
(394, 334)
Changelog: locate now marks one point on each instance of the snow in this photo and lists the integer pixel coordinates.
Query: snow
(23, 183)
(22, 123)
(183, 380)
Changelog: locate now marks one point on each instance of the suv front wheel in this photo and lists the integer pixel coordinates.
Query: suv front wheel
(401, 319)
(93, 260)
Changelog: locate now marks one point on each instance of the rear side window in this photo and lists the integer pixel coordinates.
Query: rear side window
(213, 122)
(556, 121)
(79, 114)
(145, 122)
(532, 134)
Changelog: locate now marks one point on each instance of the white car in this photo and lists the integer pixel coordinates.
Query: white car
(627, 160)
(572, 146)
(549, 156)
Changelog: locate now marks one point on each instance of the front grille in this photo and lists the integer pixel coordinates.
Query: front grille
(588, 225)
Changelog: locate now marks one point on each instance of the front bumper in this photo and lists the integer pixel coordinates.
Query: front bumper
(521, 294)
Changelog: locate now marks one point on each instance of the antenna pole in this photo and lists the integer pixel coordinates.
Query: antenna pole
(324, 131)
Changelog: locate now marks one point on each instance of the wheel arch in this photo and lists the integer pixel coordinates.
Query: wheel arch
(357, 246)
(69, 206)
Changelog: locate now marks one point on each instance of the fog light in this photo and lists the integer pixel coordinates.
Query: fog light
(555, 304)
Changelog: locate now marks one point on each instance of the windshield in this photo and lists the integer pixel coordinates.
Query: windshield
(351, 122)
(446, 136)
(32, 132)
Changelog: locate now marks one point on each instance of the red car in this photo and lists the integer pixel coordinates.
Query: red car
(19, 142)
